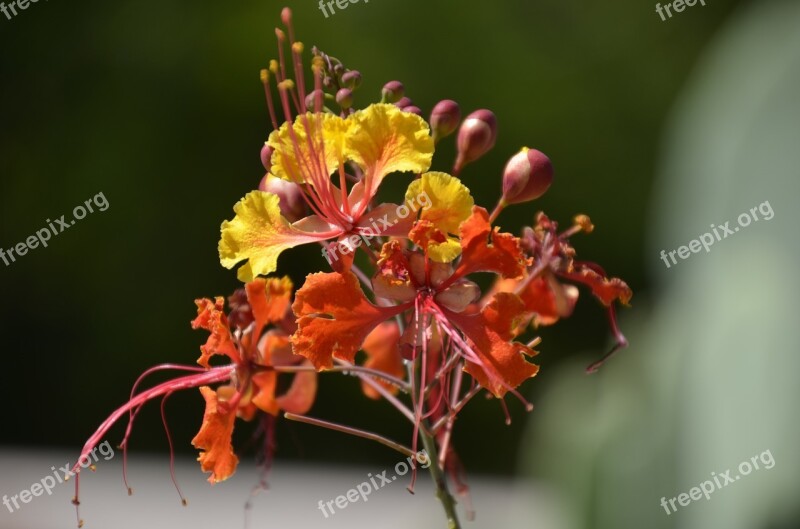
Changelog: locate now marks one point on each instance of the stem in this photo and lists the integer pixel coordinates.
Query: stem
(442, 492)
(352, 431)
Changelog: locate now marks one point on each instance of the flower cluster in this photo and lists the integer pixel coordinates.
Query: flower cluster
(403, 312)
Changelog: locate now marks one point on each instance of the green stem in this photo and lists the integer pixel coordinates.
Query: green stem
(442, 492)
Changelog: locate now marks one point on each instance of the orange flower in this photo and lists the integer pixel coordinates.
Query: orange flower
(335, 318)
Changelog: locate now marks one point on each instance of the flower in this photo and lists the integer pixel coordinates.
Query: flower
(335, 317)
(254, 337)
(256, 355)
(377, 141)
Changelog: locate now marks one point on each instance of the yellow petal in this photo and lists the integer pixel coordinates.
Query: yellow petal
(382, 139)
(296, 164)
(443, 199)
(444, 252)
(259, 233)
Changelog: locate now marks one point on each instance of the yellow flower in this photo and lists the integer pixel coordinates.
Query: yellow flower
(450, 204)
(380, 139)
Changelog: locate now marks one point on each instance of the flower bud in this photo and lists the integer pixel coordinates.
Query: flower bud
(311, 99)
(392, 92)
(445, 117)
(475, 137)
(527, 175)
(352, 79)
(413, 110)
(292, 205)
(266, 156)
(403, 102)
(344, 98)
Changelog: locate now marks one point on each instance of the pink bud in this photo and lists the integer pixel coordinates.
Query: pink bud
(413, 110)
(352, 79)
(292, 205)
(313, 97)
(527, 176)
(475, 137)
(344, 98)
(266, 156)
(403, 102)
(444, 118)
(392, 91)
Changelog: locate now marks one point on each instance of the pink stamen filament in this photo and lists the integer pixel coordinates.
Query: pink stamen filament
(211, 376)
(171, 449)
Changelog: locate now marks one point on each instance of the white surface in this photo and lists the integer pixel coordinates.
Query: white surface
(292, 500)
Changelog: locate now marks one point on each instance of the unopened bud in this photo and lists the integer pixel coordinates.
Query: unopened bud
(403, 102)
(527, 175)
(413, 110)
(475, 137)
(292, 205)
(445, 117)
(392, 92)
(266, 156)
(311, 99)
(352, 79)
(344, 98)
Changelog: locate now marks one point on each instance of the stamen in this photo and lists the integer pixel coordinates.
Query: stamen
(622, 342)
(171, 450)
(268, 94)
(210, 376)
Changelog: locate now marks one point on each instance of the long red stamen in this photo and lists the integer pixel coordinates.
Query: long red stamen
(211, 376)
(171, 449)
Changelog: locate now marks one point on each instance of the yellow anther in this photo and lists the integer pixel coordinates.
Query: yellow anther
(286, 84)
(584, 222)
(264, 75)
(298, 47)
(273, 66)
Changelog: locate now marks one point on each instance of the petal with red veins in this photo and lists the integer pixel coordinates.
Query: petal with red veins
(334, 317)
(502, 254)
(501, 363)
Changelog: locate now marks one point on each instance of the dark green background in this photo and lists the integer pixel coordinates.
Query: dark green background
(158, 105)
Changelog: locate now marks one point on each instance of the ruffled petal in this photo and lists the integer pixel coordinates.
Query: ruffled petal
(214, 439)
(501, 363)
(384, 139)
(443, 199)
(334, 317)
(259, 233)
(297, 164)
(605, 289)
(211, 317)
(485, 249)
(269, 299)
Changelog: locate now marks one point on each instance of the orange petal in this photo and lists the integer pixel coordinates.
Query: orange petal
(549, 300)
(214, 439)
(604, 289)
(269, 298)
(301, 394)
(502, 254)
(503, 365)
(210, 316)
(383, 354)
(334, 318)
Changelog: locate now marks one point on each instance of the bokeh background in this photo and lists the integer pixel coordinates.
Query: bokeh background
(656, 129)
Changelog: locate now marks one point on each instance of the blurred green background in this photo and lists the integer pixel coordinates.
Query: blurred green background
(159, 106)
